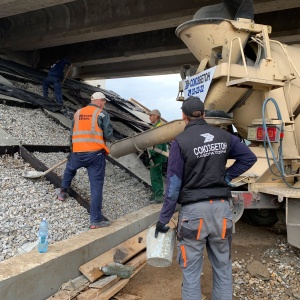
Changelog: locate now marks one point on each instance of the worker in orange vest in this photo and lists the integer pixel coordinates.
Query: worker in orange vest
(90, 129)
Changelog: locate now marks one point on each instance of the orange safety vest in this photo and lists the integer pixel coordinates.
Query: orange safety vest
(87, 135)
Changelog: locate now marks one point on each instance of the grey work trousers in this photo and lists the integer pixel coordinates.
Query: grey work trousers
(207, 223)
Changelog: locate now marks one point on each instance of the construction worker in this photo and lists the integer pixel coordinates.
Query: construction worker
(156, 161)
(198, 180)
(55, 77)
(90, 129)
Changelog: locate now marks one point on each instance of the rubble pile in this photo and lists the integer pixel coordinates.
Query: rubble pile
(32, 126)
(26, 201)
(122, 193)
(33, 88)
(275, 276)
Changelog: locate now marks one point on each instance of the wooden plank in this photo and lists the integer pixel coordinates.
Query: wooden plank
(121, 254)
(105, 282)
(127, 297)
(93, 293)
(138, 262)
(76, 284)
(113, 290)
(145, 108)
(63, 295)
(89, 294)
(71, 289)
(118, 286)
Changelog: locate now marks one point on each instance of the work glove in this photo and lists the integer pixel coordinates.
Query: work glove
(228, 181)
(148, 160)
(160, 228)
(152, 153)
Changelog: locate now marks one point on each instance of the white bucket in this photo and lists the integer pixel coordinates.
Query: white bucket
(160, 249)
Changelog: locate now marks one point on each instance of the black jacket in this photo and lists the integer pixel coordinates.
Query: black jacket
(205, 150)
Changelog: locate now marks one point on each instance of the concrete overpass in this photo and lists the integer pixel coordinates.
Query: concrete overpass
(113, 38)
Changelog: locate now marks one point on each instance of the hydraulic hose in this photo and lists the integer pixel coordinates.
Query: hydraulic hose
(267, 143)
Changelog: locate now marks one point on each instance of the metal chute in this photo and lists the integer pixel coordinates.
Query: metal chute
(146, 139)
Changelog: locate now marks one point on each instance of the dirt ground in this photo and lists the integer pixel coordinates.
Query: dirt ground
(153, 283)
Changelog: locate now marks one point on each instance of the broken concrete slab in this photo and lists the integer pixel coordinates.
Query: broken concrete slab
(6, 139)
(134, 164)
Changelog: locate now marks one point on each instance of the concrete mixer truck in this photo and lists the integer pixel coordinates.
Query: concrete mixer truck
(250, 84)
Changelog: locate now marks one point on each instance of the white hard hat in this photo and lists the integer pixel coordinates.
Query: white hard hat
(97, 95)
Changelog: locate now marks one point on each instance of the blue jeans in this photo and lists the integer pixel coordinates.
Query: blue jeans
(95, 164)
(55, 82)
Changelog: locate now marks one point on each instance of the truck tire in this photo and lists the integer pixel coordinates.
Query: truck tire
(261, 217)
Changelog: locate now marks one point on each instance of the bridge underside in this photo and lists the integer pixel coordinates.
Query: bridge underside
(112, 38)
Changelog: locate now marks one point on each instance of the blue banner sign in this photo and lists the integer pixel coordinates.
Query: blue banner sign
(198, 84)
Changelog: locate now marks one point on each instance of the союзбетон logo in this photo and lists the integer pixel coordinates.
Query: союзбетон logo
(208, 137)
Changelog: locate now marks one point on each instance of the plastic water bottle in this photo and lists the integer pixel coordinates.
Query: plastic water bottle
(43, 237)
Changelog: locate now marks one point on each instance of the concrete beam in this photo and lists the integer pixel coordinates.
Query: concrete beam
(134, 57)
(106, 58)
(88, 20)
(99, 35)
(14, 7)
(114, 50)
(274, 5)
(144, 67)
(157, 43)
(280, 27)
(39, 275)
(287, 38)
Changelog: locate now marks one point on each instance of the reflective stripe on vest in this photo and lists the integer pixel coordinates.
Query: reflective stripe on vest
(87, 135)
(157, 124)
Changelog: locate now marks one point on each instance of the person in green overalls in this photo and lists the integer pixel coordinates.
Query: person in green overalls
(156, 161)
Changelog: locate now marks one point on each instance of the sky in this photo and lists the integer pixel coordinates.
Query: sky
(154, 92)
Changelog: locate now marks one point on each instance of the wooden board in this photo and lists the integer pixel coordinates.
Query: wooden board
(89, 294)
(71, 289)
(104, 283)
(121, 253)
(137, 261)
(127, 297)
(111, 289)
(76, 284)
(117, 287)
(63, 295)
